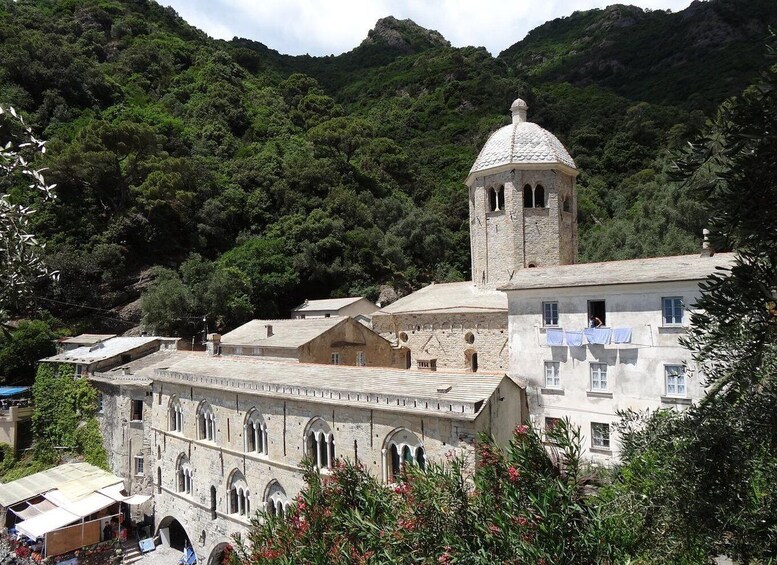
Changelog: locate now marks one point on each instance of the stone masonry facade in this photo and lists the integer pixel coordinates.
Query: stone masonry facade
(516, 237)
(451, 339)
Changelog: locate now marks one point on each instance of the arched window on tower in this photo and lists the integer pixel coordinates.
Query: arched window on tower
(539, 196)
(320, 444)
(239, 497)
(493, 204)
(402, 447)
(528, 197)
(206, 422)
(275, 500)
(500, 198)
(183, 474)
(255, 433)
(175, 415)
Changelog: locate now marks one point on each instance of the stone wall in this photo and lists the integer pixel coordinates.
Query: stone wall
(347, 339)
(517, 237)
(359, 433)
(450, 338)
(124, 439)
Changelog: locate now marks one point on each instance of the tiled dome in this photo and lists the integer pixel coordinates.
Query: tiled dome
(521, 143)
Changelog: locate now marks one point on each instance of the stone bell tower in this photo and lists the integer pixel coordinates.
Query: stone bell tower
(522, 202)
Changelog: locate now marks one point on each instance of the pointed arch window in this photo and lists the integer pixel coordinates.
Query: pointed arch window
(528, 197)
(255, 433)
(276, 502)
(175, 416)
(492, 200)
(239, 496)
(500, 198)
(320, 444)
(183, 474)
(206, 422)
(539, 196)
(402, 447)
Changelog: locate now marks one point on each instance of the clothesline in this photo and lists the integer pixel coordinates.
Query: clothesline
(557, 337)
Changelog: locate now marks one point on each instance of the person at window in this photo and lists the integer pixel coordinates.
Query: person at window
(594, 322)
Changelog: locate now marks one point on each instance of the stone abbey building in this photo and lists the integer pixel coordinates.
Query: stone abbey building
(215, 436)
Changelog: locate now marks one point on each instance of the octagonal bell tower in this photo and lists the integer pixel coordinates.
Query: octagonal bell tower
(522, 202)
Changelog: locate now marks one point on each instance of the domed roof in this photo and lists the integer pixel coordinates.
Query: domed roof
(521, 143)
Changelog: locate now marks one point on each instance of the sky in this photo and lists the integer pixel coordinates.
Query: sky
(331, 27)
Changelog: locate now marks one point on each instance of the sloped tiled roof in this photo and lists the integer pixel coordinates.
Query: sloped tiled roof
(448, 298)
(326, 304)
(101, 350)
(290, 333)
(632, 271)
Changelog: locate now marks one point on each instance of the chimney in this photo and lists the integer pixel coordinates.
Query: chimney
(706, 247)
(268, 330)
(213, 344)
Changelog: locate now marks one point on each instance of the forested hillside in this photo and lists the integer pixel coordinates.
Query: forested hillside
(229, 181)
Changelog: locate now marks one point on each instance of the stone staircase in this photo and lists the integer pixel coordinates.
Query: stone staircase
(130, 552)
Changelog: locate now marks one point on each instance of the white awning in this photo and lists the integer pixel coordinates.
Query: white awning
(26, 510)
(137, 499)
(82, 507)
(47, 522)
(116, 492)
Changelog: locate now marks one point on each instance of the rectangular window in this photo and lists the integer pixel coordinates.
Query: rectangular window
(600, 435)
(550, 313)
(361, 359)
(673, 308)
(238, 350)
(137, 410)
(79, 370)
(598, 376)
(552, 377)
(551, 423)
(334, 359)
(139, 464)
(675, 380)
(597, 313)
(99, 402)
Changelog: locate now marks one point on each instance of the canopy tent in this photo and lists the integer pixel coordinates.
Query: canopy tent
(115, 492)
(83, 507)
(31, 510)
(75, 480)
(39, 526)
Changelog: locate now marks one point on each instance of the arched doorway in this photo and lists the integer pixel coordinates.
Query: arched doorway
(220, 554)
(172, 532)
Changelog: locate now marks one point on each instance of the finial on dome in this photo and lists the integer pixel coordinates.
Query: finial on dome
(518, 109)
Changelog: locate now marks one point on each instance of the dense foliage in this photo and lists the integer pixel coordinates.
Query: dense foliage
(521, 506)
(63, 420)
(21, 348)
(285, 178)
(706, 473)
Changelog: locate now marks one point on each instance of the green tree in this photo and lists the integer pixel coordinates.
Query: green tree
(21, 349)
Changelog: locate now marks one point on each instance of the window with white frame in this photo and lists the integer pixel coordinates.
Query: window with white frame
(598, 376)
(275, 501)
(239, 496)
(552, 374)
(320, 444)
(600, 435)
(255, 433)
(334, 359)
(361, 359)
(206, 422)
(675, 380)
(672, 308)
(139, 464)
(403, 448)
(550, 313)
(183, 474)
(175, 416)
